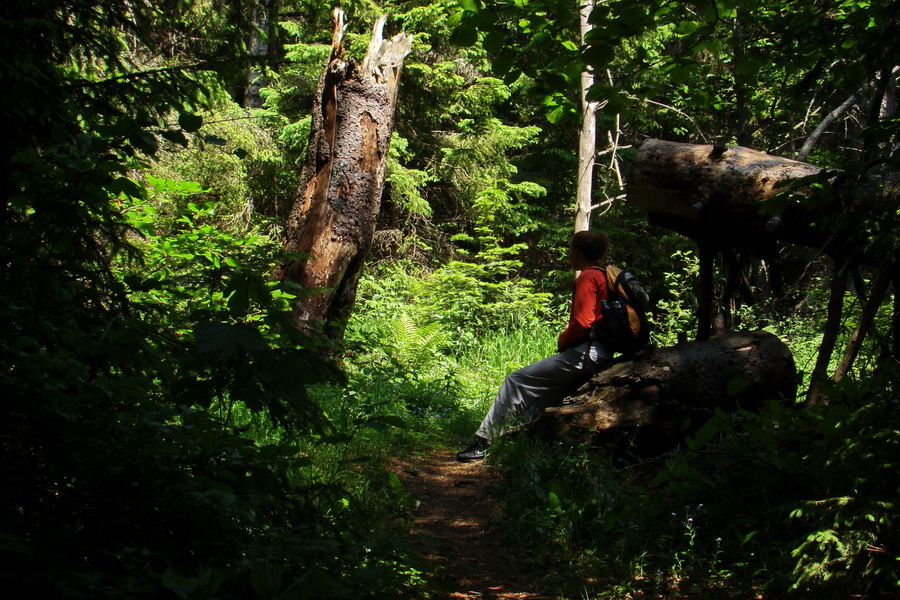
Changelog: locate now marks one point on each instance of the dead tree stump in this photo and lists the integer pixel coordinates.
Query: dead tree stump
(332, 221)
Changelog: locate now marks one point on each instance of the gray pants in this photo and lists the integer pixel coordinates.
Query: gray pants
(545, 383)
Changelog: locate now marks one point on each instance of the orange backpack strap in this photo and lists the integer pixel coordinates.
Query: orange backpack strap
(612, 278)
(616, 286)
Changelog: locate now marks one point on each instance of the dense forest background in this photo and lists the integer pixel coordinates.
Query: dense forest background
(166, 429)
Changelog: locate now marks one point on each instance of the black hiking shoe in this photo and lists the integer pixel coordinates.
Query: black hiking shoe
(474, 452)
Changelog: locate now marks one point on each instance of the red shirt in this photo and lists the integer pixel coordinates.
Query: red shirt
(589, 290)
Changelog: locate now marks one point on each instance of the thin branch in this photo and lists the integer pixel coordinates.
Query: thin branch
(813, 137)
(608, 150)
(607, 204)
(878, 292)
(817, 133)
(672, 108)
(83, 83)
(829, 334)
(614, 146)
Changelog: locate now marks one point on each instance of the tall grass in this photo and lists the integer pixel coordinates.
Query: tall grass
(435, 373)
(484, 363)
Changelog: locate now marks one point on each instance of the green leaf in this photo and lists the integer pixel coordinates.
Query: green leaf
(503, 63)
(215, 140)
(511, 77)
(190, 122)
(396, 485)
(123, 186)
(244, 288)
(145, 142)
(739, 384)
(250, 394)
(553, 500)
(597, 92)
(494, 41)
(599, 55)
(465, 35)
(228, 341)
(557, 114)
(680, 73)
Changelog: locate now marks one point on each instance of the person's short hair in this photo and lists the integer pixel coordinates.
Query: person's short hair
(592, 244)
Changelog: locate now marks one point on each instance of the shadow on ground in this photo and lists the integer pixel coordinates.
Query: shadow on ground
(456, 524)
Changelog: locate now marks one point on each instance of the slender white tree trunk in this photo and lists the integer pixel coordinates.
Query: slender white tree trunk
(587, 138)
(259, 55)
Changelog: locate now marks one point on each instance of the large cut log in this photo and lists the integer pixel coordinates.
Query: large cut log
(669, 392)
(715, 193)
(332, 221)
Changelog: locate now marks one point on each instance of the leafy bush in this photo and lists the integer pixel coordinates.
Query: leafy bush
(398, 354)
(481, 297)
(791, 501)
(152, 409)
(238, 164)
(411, 339)
(851, 514)
(675, 310)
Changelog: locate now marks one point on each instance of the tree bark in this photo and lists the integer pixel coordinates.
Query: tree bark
(715, 193)
(670, 392)
(877, 293)
(895, 314)
(260, 47)
(587, 137)
(705, 298)
(744, 135)
(814, 394)
(332, 222)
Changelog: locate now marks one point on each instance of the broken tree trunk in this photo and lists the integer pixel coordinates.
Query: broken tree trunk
(715, 193)
(718, 194)
(668, 393)
(332, 221)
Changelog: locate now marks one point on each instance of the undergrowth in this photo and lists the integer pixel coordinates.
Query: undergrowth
(432, 375)
(771, 503)
(786, 503)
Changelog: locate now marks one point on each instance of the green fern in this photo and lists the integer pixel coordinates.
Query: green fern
(413, 346)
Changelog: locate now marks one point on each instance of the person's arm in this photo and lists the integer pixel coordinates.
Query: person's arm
(590, 289)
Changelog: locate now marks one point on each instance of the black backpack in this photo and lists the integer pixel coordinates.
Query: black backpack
(624, 326)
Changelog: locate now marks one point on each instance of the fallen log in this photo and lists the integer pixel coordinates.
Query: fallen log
(716, 193)
(658, 398)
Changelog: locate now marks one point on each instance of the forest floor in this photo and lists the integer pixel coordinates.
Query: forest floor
(457, 524)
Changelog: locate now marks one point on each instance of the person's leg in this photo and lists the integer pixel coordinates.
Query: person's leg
(542, 384)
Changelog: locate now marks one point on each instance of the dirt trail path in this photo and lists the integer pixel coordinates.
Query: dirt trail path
(456, 523)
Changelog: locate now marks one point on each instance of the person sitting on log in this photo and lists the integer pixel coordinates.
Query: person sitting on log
(547, 382)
